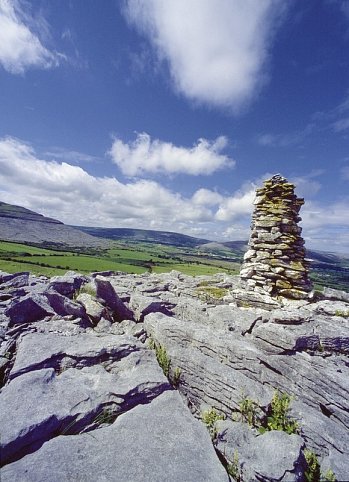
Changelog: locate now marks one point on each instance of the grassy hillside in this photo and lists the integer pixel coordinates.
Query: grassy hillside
(130, 258)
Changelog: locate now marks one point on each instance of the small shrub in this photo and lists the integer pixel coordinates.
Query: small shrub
(163, 359)
(313, 472)
(176, 376)
(234, 468)
(279, 418)
(248, 409)
(210, 417)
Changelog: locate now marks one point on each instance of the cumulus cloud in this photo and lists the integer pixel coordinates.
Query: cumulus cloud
(57, 188)
(155, 156)
(69, 193)
(216, 50)
(20, 46)
(241, 204)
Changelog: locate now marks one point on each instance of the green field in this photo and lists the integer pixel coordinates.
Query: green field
(132, 257)
(140, 257)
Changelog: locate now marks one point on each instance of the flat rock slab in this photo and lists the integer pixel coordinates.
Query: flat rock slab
(273, 456)
(157, 442)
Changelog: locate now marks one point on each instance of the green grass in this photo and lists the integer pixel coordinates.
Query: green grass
(129, 258)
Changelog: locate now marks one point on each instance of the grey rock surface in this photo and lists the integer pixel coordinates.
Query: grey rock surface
(274, 456)
(83, 396)
(151, 443)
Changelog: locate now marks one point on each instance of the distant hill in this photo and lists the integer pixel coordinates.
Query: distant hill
(21, 225)
(144, 236)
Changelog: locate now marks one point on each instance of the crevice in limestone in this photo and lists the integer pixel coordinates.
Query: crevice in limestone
(273, 369)
(326, 411)
(71, 361)
(100, 417)
(250, 329)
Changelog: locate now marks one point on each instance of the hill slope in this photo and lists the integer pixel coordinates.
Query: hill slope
(144, 236)
(22, 225)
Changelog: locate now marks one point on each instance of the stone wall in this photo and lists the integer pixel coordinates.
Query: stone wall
(275, 263)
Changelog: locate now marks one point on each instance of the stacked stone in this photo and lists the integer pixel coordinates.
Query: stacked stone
(275, 263)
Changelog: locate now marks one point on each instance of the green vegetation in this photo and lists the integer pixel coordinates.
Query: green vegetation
(106, 415)
(164, 362)
(278, 418)
(163, 359)
(176, 376)
(313, 472)
(210, 417)
(248, 410)
(234, 469)
(343, 314)
(207, 292)
(131, 257)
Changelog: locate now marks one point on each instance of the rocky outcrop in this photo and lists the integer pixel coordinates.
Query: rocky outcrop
(83, 396)
(274, 264)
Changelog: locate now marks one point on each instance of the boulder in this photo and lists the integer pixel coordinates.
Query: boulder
(274, 456)
(67, 284)
(107, 293)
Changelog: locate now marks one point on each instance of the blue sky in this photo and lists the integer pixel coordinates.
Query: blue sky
(167, 114)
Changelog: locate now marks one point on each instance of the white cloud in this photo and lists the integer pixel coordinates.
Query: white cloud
(217, 50)
(206, 196)
(74, 196)
(20, 46)
(147, 155)
(241, 204)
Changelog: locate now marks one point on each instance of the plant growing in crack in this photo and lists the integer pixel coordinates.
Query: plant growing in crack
(210, 417)
(234, 468)
(248, 410)
(176, 378)
(313, 472)
(105, 416)
(279, 418)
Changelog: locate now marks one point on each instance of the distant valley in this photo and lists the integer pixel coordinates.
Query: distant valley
(44, 245)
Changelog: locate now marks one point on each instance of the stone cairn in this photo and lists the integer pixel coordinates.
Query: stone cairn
(275, 263)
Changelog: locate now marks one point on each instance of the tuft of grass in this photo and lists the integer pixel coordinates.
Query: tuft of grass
(161, 355)
(106, 415)
(207, 292)
(234, 468)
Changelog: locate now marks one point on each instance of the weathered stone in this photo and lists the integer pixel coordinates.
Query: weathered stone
(67, 284)
(106, 292)
(274, 456)
(156, 442)
(94, 310)
(31, 307)
(275, 239)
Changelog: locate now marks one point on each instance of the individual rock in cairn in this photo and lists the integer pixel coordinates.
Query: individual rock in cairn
(275, 263)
